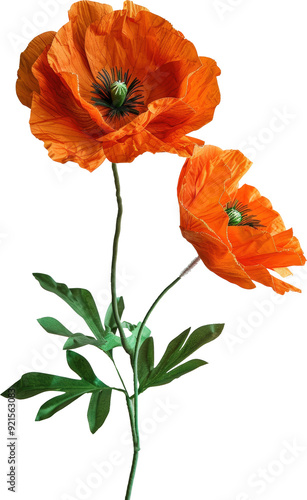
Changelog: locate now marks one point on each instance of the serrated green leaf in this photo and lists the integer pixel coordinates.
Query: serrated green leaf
(109, 320)
(56, 404)
(82, 367)
(79, 299)
(52, 325)
(98, 409)
(145, 359)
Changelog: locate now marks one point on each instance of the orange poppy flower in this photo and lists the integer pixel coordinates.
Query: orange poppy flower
(115, 84)
(235, 231)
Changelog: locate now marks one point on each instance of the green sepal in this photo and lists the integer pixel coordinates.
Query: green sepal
(177, 351)
(79, 299)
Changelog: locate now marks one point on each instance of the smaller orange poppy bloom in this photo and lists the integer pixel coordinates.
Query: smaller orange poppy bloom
(115, 84)
(235, 231)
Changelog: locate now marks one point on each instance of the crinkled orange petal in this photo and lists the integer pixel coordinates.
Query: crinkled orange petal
(286, 241)
(262, 208)
(254, 246)
(202, 185)
(262, 275)
(27, 83)
(126, 142)
(218, 258)
(81, 15)
(284, 272)
(239, 254)
(125, 150)
(133, 9)
(141, 47)
(66, 128)
(238, 165)
(202, 95)
(69, 62)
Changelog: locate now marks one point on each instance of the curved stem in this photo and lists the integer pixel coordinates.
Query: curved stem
(114, 259)
(137, 349)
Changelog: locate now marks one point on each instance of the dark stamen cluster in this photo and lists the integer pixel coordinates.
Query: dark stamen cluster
(244, 211)
(134, 97)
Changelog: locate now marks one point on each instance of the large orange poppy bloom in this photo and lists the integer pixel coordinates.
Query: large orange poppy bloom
(235, 231)
(115, 84)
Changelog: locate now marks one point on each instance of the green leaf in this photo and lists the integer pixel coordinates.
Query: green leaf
(177, 351)
(112, 341)
(52, 325)
(145, 359)
(109, 320)
(200, 337)
(98, 409)
(169, 358)
(81, 367)
(56, 404)
(75, 340)
(131, 341)
(79, 299)
(79, 340)
(187, 367)
(34, 383)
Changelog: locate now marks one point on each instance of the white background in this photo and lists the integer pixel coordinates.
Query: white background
(213, 433)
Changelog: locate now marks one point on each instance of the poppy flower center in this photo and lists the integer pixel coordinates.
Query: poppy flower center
(239, 215)
(235, 217)
(117, 93)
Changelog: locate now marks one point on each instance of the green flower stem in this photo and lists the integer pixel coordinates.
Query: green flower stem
(132, 402)
(135, 372)
(114, 260)
(137, 349)
(136, 448)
